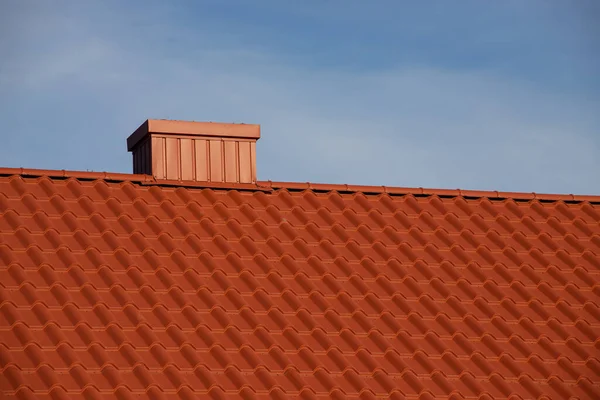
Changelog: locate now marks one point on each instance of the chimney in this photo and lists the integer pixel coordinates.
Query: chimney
(195, 151)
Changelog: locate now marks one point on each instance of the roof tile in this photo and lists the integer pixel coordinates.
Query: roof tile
(110, 286)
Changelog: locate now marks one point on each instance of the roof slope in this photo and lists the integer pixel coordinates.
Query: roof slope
(153, 291)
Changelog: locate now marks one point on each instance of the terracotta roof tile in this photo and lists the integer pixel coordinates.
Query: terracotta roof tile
(115, 285)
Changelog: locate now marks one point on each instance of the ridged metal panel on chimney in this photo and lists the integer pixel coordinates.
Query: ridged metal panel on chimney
(142, 157)
(204, 159)
(195, 151)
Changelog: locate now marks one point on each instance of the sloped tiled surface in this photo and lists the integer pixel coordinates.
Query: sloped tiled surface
(118, 290)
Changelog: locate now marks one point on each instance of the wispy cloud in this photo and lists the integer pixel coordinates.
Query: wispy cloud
(405, 125)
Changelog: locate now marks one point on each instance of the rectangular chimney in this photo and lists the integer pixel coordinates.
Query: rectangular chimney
(195, 151)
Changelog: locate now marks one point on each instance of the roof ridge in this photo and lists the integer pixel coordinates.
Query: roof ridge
(296, 186)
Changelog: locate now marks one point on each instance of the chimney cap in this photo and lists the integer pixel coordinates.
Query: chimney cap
(192, 128)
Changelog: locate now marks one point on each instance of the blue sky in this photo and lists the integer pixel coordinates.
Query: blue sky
(446, 94)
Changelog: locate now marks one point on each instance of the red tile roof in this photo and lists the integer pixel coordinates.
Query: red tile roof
(115, 285)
